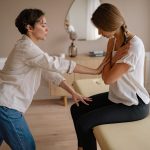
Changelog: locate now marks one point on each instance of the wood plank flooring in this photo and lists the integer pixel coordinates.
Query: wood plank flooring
(51, 125)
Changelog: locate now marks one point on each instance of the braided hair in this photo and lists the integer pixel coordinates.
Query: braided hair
(108, 18)
(125, 33)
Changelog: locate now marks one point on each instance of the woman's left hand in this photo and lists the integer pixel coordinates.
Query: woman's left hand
(78, 97)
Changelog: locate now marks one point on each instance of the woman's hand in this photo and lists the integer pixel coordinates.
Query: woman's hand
(121, 52)
(75, 96)
(102, 65)
(78, 97)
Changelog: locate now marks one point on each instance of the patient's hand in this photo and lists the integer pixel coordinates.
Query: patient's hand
(102, 65)
(121, 52)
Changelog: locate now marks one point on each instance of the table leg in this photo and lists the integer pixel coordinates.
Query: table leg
(65, 101)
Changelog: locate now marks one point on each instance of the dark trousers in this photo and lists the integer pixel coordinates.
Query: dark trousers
(102, 111)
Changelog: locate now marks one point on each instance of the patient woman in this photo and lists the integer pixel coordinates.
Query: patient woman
(20, 78)
(127, 99)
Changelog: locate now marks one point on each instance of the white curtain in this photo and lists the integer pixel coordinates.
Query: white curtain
(92, 32)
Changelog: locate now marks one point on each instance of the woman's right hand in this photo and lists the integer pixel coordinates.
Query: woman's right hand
(102, 65)
(121, 52)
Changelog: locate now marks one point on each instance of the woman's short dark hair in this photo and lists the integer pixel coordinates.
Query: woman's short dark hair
(27, 17)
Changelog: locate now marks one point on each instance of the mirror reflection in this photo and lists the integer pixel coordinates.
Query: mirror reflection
(78, 20)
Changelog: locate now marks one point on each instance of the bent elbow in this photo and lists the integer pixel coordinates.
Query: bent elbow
(107, 81)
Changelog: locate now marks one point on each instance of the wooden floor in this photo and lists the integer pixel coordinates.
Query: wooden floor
(51, 125)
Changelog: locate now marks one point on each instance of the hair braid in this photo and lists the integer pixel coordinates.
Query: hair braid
(125, 33)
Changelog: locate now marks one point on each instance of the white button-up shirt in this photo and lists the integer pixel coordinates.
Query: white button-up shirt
(21, 75)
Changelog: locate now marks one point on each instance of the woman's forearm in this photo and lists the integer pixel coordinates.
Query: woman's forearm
(106, 72)
(85, 70)
(67, 87)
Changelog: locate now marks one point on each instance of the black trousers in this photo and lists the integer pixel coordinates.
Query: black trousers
(102, 111)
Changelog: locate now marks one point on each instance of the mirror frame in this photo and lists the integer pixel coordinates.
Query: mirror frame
(71, 28)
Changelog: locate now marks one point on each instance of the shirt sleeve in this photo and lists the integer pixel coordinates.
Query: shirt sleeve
(38, 58)
(129, 59)
(133, 56)
(54, 77)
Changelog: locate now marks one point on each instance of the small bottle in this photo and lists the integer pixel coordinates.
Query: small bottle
(72, 50)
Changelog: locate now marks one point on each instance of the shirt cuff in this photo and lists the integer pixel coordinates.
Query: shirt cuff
(72, 66)
(58, 80)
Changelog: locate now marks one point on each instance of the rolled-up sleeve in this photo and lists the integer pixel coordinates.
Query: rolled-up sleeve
(52, 63)
(54, 77)
(131, 58)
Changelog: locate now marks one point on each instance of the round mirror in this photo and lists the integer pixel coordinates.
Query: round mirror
(78, 20)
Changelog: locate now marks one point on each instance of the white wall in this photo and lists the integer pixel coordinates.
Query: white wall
(136, 13)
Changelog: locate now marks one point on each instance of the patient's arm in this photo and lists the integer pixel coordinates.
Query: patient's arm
(113, 71)
(120, 53)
